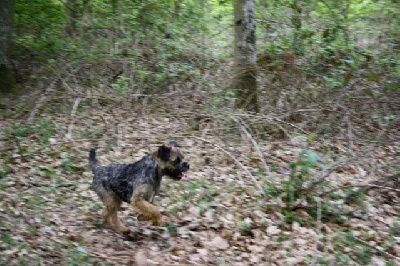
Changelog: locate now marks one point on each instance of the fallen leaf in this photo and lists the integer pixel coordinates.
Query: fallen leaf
(273, 230)
(219, 243)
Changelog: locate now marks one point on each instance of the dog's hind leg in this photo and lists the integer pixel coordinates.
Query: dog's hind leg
(112, 205)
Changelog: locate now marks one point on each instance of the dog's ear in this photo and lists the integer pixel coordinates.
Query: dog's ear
(164, 152)
(173, 143)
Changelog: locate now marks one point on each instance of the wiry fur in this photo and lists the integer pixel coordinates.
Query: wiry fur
(137, 183)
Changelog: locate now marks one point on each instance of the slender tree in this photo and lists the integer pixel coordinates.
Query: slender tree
(297, 23)
(72, 11)
(75, 11)
(7, 80)
(245, 73)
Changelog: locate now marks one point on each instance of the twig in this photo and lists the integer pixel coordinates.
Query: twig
(37, 184)
(20, 150)
(257, 148)
(325, 173)
(349, 131)
(317, 237)
(290, 124)
(73, 112)
(236, 161)
(274, 119)
(206, 128)
(119, 137)
(368, 186)
(386, 179)
(379, 249)
(41, 100)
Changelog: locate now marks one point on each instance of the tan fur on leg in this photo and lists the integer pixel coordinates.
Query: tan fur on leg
(113, 204)
(117, 223)
(147, 209)
(106, 216)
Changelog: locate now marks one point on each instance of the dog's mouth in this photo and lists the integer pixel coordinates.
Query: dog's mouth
(182, 176)
(180, 173)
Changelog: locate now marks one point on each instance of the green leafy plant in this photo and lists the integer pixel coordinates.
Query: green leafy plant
(395, 229)
(77, 256)
(244, 227)
(44, 130)
(36, 201)
(299, 173)
(121, 85)
(4, 171)
(172, 229)
(69, 164)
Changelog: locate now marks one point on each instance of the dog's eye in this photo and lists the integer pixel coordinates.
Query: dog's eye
(178, 160)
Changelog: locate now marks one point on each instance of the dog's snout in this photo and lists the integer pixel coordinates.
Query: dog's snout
(185, 166)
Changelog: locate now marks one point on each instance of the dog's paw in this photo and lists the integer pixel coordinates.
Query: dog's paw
(130, 235)
(143, 218)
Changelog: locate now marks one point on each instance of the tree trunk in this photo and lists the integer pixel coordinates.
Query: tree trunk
(264, 4)
(245, 73)
(177, 9)
(72, 11)
(297, 23)
(7, 79)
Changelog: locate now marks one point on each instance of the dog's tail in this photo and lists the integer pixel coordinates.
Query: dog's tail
(92, 160)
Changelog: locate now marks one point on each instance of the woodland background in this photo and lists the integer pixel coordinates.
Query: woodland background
(310, 176)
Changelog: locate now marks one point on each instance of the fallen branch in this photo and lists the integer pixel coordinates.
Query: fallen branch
(73, 112)
(383, 180)
(290, 124)
(41, 100)
(280, 121)
(236, 161)
(37, 184)
(379, 249)
(325, 173)
(349, 132)
(367, 186)
(255, 144)
(318, 234)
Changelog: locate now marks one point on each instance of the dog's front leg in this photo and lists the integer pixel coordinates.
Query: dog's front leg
(147, 210)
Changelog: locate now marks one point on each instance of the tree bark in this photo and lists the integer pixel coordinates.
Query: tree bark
(245, 72)
(297, 23)
(7, 79)
(73, 11)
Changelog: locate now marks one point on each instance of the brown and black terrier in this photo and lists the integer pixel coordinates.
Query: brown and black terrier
(137, 183)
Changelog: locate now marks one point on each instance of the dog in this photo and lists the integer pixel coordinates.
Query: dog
(137, 183)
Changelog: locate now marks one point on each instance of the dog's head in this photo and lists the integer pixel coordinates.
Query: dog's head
(171, 159)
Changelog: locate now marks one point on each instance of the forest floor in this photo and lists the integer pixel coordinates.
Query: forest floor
(49, 215)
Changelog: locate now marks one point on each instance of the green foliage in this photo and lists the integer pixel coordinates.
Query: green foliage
(271, 190)
(96, 206)
(7, 239)
(77, 256)
(39, 25)
(36, 202)
(48, 171)
(70, 164)
(17, 131)
(244, 228)
(6, 169)
(299, 172)
(395, 229)
(290, 216)
(121, 85)
(362, 252)
(44, 130)
(172, 229)
(383, 121)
